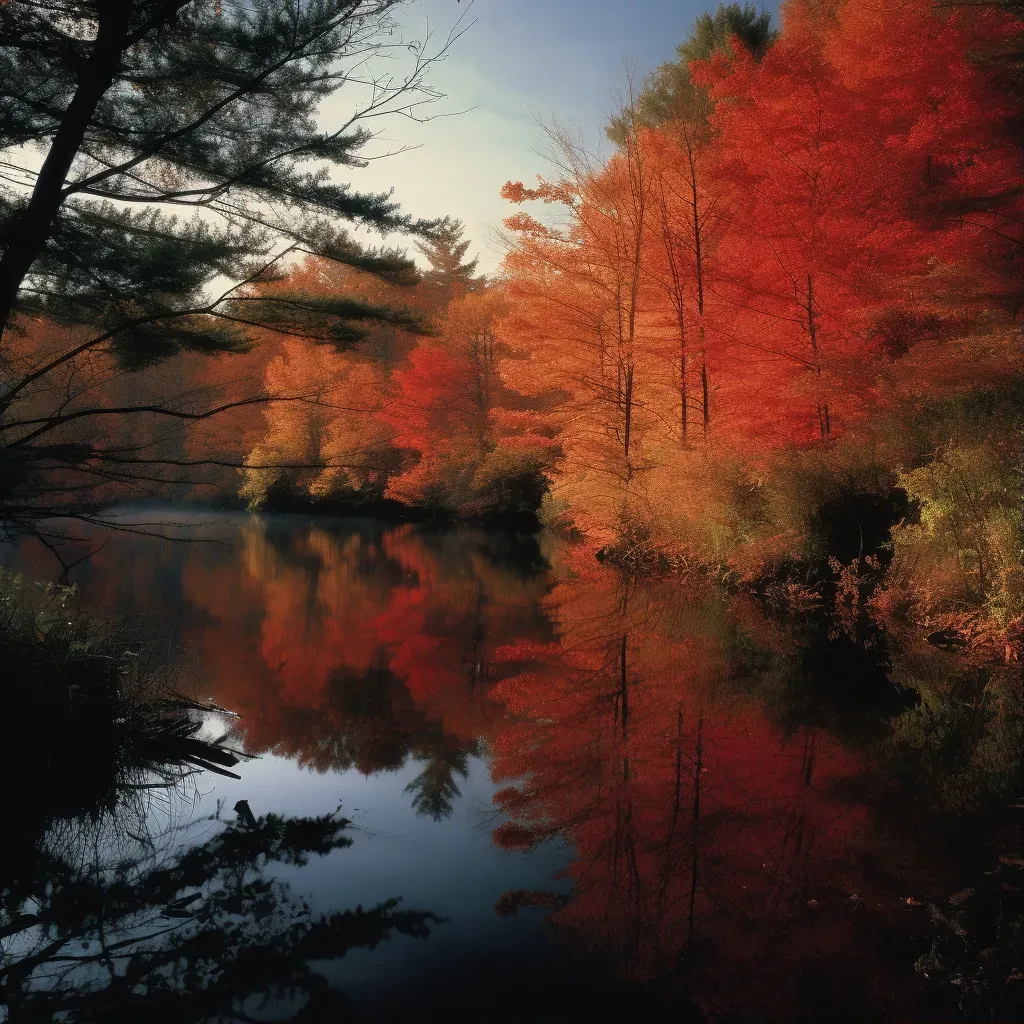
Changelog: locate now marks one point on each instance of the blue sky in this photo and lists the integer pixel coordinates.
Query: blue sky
(522, 59)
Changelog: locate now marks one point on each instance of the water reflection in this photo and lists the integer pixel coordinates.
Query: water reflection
(715, 833)
(113, 926)
(366, 648)
(760, 809)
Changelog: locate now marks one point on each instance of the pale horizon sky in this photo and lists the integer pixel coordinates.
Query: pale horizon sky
(520, 61)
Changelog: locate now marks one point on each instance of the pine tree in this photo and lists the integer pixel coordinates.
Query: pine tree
(161, 156)
(450, 275)
(669, 93)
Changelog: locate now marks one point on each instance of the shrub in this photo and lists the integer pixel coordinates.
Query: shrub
(966, 548)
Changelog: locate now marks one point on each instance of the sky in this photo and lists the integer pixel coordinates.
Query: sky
(520, 61)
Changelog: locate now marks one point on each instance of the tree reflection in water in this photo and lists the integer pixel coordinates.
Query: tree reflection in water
(761, 808)
(728, 783)
(371, 648)
(435, 789)
(112, 928)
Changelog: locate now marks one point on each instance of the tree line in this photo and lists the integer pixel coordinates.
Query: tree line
(778, 325)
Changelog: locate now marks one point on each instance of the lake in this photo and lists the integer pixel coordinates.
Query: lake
(604, 795)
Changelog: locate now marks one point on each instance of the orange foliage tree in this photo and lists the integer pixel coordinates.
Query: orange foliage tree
(808, 244)
(477, 445)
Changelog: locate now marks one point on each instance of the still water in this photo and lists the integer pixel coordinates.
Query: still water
(590, 796)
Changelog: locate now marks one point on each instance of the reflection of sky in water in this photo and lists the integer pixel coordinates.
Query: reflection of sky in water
(450, 868)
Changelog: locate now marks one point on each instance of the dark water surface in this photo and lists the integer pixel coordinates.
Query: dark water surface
(590, 797)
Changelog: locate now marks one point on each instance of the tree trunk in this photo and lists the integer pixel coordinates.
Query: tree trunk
(30, 231)
(682, 386)
(698, 251)
(704, 390)
(824, 419)
(627, 438)
(677, 295)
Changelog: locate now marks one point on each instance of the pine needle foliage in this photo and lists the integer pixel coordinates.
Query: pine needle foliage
(162, 159)
(669, 93)
(181, 143)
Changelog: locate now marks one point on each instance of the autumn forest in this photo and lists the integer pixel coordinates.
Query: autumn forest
(777, 323)
(645, 605)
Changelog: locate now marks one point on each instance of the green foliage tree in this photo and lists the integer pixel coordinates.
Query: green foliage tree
(158, 158)
(450, 274)
(668, 93)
